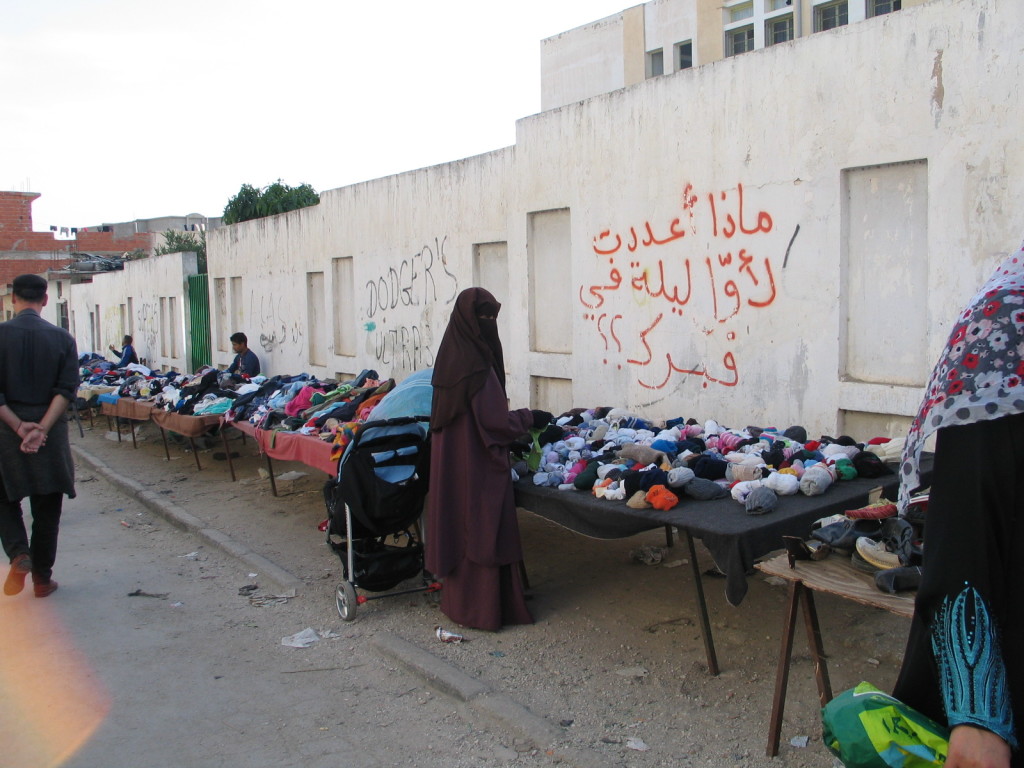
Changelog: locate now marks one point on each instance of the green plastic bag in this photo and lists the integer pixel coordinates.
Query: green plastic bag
(866, 728)
(533, 460)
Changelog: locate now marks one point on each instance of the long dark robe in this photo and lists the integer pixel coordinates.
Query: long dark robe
(472, 538)
(963, 663)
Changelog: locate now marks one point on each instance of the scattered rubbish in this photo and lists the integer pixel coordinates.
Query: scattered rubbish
(126, 524)
(799, 741)
(873, 662)
(190, 556)
(263, 473)
(177, 605)
(447, 637)
(647, 555)
(684, 621)
(609, 740)
(302, 639)
(140, 593)
(566, 723)
(638, 744)
(498, 654)
(632, 672)
(290, 476)
(261, 600)
(674, 563)
(248, 589)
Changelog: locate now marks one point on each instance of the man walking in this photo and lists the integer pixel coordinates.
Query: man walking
(38, 380)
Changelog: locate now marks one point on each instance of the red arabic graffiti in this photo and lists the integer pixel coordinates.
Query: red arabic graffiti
(705, 284)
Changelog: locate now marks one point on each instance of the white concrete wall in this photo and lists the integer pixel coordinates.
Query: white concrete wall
(583, 62)
(879, 166)
(768, 342)
(147, 300)
(412, 240)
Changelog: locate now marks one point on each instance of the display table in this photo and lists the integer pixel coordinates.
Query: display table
(126, 408)
(286, 446)
(734, 538)
(190, 427)
(834, 575)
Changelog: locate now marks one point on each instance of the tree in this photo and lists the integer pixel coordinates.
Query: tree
(181, 242)
(252, 203)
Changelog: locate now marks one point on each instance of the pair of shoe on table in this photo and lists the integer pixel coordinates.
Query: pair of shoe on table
(879, 543)
(21, 567)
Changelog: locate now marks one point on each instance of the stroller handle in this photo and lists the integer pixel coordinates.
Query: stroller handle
(396, 421)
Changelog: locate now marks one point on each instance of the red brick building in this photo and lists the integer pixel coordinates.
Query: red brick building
(24, 251)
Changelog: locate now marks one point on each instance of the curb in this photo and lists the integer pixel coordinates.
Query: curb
(484, 701)
(181, 518)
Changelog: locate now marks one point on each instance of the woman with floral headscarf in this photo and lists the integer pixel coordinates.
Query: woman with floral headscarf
(963, 663)
(472, 539)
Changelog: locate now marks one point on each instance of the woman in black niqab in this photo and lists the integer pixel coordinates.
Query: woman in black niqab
(472, 539)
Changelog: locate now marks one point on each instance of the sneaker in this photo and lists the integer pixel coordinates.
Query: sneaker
(875, 553)
(896, 580)
(861, 564)
(45, 590)
(877, 511)
(21, 567)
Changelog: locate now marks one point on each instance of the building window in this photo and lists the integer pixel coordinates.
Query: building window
(882, 7)
(830, 16)
(740, 12)
(739, 40)
(778, 30)
(684, 55)
(655, 63)
(776, 5)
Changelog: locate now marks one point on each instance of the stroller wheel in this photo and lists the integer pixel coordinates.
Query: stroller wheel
(346, 601)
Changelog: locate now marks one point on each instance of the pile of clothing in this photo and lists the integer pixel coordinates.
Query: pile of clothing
(615, 454)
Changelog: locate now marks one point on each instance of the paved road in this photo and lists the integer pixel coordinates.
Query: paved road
(148, 655)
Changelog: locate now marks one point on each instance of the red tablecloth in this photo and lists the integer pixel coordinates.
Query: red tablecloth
(291, 446)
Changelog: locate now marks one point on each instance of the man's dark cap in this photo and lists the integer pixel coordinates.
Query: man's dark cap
(29, 287)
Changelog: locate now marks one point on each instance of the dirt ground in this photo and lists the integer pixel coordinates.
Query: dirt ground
(615, 657)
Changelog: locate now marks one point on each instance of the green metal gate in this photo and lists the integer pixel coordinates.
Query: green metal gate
(200, 352)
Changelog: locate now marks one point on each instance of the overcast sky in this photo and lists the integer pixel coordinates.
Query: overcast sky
(116, 110)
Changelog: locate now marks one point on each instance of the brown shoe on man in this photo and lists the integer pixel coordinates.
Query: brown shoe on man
(21, 566)
(45, 590)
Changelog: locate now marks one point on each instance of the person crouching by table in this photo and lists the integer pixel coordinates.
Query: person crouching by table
(126, 355)
(38, 380)
(245, 363)
(472, 538)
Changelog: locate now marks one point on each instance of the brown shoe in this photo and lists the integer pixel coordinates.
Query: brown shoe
(45, 590)
(21, 566)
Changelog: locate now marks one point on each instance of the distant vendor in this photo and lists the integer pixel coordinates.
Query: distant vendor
(126, 353)
(245, 363)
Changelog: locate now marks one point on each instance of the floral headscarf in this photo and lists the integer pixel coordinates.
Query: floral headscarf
(980, 374)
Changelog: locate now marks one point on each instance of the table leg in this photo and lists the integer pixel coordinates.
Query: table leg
(702, 607)
(817, 649)
(227, 450)
(195, 453)
(131, 426)
(270, 469)
(167, 451)
(669, 539)
(782, 670)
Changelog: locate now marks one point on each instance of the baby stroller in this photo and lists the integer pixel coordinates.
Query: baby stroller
(375, 501)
